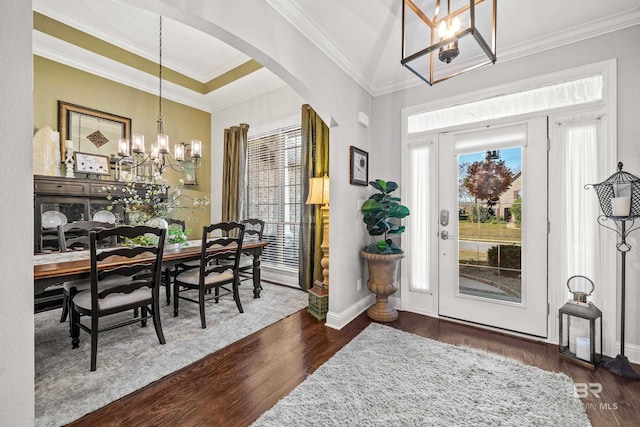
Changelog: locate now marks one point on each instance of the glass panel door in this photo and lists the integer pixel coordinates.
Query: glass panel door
(489, 224)
(492, 198)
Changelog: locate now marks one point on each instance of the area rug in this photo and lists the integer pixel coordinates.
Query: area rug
(386, 377)
(131, 357)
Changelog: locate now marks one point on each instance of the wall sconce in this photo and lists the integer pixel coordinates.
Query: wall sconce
(432, 29)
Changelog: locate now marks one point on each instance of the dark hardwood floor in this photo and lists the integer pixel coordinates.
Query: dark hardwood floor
(235, 385)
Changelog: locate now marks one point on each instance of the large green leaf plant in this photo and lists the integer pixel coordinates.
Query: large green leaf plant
(380, 211)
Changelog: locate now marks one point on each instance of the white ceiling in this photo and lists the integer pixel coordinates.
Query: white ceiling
(361, 36)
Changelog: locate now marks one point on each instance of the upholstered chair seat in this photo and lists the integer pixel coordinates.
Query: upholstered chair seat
(83, 299)
(192, 277)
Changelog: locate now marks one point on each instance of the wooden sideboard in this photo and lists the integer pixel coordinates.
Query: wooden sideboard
(77, 199)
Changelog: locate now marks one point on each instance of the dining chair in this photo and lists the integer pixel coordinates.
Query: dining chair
(168, 273)
(136, 270)
(217, 270)
(75, 235)
(254, 229)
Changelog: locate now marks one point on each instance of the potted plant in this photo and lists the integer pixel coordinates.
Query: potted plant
(176, 237)
(381, 212)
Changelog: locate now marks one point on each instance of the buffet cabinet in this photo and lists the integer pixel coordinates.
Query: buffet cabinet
(59, 200)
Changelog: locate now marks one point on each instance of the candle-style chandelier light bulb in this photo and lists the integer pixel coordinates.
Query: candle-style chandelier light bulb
(447, 30)
(178, 152)
(123, 147)
(138, 143)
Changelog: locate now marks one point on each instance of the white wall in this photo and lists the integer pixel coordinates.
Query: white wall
(277, 107)
(16, 253)
(622, 45)
(256, 29)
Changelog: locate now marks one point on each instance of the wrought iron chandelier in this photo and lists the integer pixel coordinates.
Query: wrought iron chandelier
(427, 29)
(136, 164)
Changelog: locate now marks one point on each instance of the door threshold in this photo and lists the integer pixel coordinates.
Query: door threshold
(496, 329)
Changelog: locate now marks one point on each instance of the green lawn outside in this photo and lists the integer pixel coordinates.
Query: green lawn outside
(487, 232)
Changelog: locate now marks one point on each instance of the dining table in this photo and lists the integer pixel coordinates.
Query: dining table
(57, 267)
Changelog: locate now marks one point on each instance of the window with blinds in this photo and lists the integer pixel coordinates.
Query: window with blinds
(274, 193)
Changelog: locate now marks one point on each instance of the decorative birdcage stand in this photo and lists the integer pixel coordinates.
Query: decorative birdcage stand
(619, 197)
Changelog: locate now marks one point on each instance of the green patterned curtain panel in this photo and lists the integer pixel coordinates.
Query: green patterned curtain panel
(233, 172)
(315, 162)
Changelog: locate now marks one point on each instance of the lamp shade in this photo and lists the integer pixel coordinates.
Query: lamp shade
(318, 191)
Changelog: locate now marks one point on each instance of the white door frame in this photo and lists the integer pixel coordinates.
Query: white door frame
(557, 296)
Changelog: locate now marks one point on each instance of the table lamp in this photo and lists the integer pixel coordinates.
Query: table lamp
(319, 195)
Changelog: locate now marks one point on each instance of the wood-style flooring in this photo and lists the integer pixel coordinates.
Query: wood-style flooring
(235, 385)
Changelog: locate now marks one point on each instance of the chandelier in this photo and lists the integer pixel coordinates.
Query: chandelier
(136, 164)
(429, 30)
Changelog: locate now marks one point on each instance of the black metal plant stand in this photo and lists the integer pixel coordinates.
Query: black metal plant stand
(620, 364)
(626, 185)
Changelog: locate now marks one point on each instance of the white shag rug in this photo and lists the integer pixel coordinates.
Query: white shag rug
(387, 377)
(131, 357)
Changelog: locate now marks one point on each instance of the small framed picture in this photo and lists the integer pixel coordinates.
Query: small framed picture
(358, 166)
(91, 163)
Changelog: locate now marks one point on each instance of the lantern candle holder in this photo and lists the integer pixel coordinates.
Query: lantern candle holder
(580, 327)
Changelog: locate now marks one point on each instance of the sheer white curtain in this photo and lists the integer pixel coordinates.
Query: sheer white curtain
(420, 202)
(579, 207)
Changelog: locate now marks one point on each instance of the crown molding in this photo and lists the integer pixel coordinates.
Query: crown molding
(69, 54)
(578, 33)
(292, 13)
(301, 21)
(125, 45)
(65, 53)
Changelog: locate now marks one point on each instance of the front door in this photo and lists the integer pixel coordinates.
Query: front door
(492, 226)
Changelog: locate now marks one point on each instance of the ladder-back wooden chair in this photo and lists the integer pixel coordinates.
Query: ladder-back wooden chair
(254, 229)
(217, 271)
(168, 272)
(133, 283)
(73, 236)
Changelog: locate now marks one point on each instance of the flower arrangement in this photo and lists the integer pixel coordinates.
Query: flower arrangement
(175, 235)
(143, 201)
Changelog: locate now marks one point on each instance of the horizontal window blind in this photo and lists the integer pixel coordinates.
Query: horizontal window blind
(274, 193)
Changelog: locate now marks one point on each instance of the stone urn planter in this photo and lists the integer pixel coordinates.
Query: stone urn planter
(383, 270)
(381, 213)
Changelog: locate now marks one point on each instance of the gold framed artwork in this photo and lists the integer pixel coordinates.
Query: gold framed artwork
(358, 166)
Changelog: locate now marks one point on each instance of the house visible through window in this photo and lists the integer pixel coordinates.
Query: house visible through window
(274, 193)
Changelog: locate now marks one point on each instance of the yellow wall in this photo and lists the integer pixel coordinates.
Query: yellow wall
(53, 81)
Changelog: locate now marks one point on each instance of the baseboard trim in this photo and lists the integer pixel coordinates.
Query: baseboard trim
(342, 319)
(632, 351)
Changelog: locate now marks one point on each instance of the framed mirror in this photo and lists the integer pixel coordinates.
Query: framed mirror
(92, 131)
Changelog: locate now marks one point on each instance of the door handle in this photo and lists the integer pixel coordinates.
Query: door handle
(444, 235)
